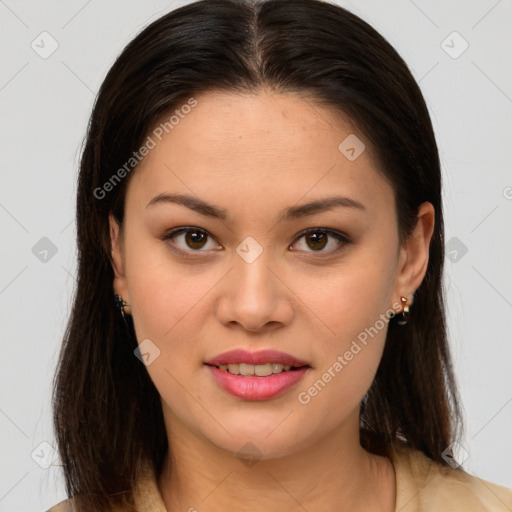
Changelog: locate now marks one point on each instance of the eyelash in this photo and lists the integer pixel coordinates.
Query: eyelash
(331, 234)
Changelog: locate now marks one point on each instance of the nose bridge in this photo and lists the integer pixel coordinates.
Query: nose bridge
(252, 273)
(255, 296)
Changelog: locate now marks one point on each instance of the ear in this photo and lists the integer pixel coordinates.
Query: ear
(117, 251)
(414, 255)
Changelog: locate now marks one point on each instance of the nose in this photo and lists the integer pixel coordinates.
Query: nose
(255, 297)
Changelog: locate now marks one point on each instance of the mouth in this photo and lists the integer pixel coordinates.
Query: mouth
(246, 362)
(263, 384)
(258, 375)
(258, 370)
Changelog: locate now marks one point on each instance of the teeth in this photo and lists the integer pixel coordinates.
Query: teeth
(260, 370)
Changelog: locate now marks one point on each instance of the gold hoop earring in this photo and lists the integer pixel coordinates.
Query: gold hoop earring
(123, 306)
(405, 312)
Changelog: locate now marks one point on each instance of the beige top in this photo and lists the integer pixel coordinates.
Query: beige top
(422, 485)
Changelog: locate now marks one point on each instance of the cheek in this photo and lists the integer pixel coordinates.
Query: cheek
(165, 295)
(347, 365)
(354, 307)
(344, 302)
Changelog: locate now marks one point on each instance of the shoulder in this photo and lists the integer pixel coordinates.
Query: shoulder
(70, 505)
(145, 493)
(63, 506)
(424, 485)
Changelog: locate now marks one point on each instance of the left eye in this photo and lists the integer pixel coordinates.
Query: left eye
(316, 238)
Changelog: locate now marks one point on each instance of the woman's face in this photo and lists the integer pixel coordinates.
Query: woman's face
(253, 280)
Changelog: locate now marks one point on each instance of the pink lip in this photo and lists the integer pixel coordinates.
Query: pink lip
(257, 388)
(261, 357)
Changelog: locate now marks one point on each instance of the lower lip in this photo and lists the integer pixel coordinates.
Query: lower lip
(257, 388)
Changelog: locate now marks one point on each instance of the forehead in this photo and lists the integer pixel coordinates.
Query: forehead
(285, 125)
(267, 146)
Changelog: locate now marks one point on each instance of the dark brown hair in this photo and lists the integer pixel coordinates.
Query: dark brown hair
(107, 411)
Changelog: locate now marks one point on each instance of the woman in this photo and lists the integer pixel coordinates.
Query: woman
(258, 322)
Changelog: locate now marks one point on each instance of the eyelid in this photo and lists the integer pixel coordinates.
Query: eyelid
(342, 238)
(333, 232)
(185, 229)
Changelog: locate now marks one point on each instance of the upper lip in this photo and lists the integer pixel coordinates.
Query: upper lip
(260, 357)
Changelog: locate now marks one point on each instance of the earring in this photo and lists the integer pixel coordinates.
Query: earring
(123, 306)
(405, 312)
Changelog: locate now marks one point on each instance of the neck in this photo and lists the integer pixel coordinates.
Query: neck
(332, 474)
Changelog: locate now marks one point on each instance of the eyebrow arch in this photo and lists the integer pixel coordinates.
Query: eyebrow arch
(291, 213)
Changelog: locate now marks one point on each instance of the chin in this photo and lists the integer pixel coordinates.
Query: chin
(255, 440)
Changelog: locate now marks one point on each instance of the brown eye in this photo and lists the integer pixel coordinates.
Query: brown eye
(317, 239)
(194, 238)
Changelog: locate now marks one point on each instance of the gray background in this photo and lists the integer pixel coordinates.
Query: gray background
(45, 105)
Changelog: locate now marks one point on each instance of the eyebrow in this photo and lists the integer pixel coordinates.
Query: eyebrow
(291, 213)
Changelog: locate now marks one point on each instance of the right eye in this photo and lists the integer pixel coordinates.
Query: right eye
(194, 239)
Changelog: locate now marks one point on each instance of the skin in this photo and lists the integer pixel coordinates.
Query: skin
(255, 155)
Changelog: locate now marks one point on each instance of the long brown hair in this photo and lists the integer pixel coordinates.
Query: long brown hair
(107, 411)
